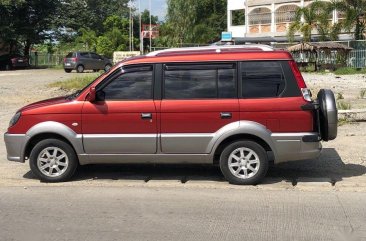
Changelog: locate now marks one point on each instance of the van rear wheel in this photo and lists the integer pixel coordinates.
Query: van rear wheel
(53, 160)
(244, 162)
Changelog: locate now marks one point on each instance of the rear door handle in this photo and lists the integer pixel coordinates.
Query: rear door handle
(225, 115)
(146, 116)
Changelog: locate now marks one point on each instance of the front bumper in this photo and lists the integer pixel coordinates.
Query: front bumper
(296, 146)
(15, 144)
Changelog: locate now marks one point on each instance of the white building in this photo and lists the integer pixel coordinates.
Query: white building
(266, 20)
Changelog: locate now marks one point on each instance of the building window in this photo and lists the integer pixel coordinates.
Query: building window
(237, 17)
(260, 16)
(286, 13)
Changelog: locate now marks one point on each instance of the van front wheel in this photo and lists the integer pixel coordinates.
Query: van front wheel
(53, 160)
(244, 162)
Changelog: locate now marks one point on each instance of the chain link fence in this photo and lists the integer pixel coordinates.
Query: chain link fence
(46, 59)
(356, 58)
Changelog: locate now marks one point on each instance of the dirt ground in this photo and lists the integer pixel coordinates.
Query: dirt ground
(347, 86)
(342, 164)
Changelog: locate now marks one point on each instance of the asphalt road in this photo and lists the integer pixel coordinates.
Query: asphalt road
(130, 213)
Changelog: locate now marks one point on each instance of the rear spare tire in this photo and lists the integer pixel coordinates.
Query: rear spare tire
(328, 115)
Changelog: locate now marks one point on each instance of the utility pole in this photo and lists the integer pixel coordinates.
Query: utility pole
(130, 28)
(140, 32)
(150, 24)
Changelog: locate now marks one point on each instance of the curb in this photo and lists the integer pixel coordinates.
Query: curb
(352, 115)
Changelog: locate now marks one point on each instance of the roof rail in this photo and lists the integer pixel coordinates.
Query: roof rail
(212, 49)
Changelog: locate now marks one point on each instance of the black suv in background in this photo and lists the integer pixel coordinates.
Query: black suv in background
(81, 61)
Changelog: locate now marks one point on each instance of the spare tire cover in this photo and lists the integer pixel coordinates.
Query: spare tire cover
(328, 115)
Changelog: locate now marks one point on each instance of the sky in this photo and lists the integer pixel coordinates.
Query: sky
(158, 7)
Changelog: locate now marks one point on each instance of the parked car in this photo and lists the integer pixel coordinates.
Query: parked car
(239, 107)
(81, 61)
(12, 61)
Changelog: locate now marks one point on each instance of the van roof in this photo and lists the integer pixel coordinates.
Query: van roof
(212, 53)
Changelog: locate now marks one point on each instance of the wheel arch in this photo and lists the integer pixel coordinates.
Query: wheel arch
(40, 137)
(51, 129)
(236, 137)
(248, 130)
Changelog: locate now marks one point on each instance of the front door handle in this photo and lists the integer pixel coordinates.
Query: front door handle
(146, 116)
(225, 115)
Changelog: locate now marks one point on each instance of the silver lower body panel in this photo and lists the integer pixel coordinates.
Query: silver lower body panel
(291, 147)
(145, 158)
(14, 146)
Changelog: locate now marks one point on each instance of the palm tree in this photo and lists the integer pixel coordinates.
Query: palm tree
(315, 15)
(355, 11)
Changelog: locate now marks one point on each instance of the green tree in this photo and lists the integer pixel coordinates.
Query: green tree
(104, 46)
(354, 11)
(89, 14)
(26, 21)
(315, 15)
(88, 38)
(190, 21)
(115, 36)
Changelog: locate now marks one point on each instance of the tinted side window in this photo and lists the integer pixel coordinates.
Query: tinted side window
(95, 56)
(190, 84)
(130, 86)
(226, 83)
(84, 55)
(262, 79)
(199, 82)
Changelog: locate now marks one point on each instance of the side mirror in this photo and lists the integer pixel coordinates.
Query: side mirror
(92, 94)
(100, 95)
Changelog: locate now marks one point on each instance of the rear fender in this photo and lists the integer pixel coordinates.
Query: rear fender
(241, 127)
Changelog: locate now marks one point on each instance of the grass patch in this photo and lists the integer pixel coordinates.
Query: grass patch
(74, 83)
(56, 67)
(340, 96)
(348, 70)
(343, 105)
(343, 121)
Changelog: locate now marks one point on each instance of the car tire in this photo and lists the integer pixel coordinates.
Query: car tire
(80, 68)
(107, 67)
(53, 160)
(68, 70)
(328, 115)
(244, 162)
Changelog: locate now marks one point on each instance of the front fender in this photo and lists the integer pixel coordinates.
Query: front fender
(53, 127)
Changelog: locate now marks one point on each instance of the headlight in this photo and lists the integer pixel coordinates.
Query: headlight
(15, 119)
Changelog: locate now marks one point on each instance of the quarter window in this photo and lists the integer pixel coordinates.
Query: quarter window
(84, 55)
(262, 79)
(132, 85)
(199, 82)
